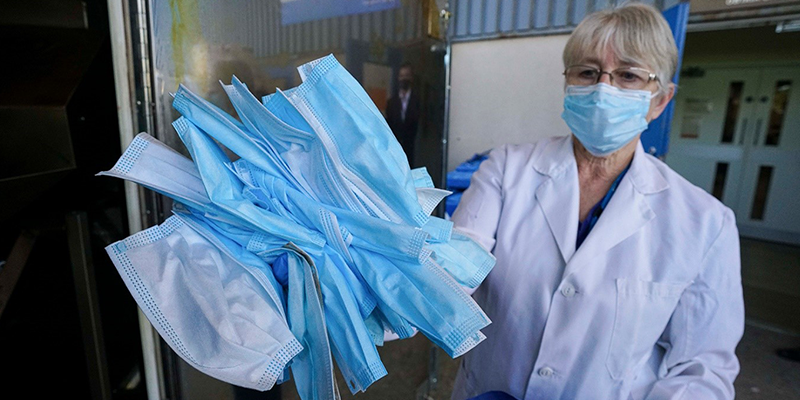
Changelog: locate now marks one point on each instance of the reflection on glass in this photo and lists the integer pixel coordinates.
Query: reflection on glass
(403, 111)
(732, 111)
(719, 180)
(762, 189)
(776, 113)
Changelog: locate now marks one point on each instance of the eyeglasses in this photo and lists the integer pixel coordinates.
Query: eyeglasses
(623, 78)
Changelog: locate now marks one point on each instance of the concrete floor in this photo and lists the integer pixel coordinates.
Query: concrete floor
(771, 280)
(765, 375)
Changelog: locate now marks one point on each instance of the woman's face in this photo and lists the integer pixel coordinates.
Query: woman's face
(611, 62)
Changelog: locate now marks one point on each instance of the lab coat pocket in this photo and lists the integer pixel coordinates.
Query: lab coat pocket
(643, 310)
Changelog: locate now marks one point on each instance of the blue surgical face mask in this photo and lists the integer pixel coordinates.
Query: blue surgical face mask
(352, 250)
(352, 131)
(230, 133)
(605, 118)
(155, 165)
(216, 310)
(225, 189)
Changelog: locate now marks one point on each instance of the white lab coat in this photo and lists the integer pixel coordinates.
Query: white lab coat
(649, 307)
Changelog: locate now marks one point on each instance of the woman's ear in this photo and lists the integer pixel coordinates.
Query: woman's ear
(659, 103)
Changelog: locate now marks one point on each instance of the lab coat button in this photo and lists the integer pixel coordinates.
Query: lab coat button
(568, 290)
(546, 372)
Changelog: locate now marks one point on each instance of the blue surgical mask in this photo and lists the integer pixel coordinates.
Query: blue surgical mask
(155, 165)
(323, 213)
(225, 189)
(270, 132)
(352, 131)
(312, 368)
(230, 133)
(425, 295)
(215, 309)
(346, 296)
(603, 117)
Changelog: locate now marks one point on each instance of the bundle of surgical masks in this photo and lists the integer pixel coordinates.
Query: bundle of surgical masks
(308, 249)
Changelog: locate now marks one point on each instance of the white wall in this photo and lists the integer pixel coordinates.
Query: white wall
(504, 91)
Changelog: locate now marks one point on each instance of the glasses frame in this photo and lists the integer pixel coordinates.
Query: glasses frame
(651, 76)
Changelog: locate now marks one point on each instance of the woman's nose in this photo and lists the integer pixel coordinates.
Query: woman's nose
(605, 77)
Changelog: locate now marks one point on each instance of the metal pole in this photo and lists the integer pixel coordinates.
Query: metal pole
(80, 253)
(446, 128)
(122, 55)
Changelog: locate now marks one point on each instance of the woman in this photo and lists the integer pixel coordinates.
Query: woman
(615, 278)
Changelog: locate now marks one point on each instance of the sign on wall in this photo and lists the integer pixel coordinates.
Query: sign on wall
(296, 11)
(702, 6)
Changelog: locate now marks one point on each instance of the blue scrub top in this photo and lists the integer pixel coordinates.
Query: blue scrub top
(585, 226)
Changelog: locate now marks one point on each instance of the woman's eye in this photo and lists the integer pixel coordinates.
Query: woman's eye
(629, 76)
(588, 73)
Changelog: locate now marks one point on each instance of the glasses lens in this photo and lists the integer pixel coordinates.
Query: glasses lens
(581, 75)
(629, 78)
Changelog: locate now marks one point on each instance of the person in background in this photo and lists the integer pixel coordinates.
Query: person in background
(402, 111)
(616, 278)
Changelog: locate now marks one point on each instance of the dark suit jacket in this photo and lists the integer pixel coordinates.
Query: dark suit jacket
(405, 130)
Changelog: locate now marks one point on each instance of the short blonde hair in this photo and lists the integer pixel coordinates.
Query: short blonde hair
(637, 34)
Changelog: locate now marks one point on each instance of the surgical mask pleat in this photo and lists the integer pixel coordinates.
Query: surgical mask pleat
(263, 122)
(464, 259)
(315, 215)
(421, 178)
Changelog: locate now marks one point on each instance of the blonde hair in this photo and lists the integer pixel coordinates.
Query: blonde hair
(636, 33)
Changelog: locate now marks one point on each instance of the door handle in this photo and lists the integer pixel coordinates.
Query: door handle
(742, 131)
(758, 131)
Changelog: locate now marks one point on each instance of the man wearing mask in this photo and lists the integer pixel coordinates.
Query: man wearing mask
(402, 112)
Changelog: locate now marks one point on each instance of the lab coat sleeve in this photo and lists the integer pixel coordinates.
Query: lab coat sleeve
(478, 213)
(701, 337)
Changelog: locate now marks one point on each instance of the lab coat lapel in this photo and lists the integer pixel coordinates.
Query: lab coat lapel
(558, 196)
(627, 211)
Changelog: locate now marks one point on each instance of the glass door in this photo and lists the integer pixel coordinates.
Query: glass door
(735, 134)
(767, 206)
(713, 114)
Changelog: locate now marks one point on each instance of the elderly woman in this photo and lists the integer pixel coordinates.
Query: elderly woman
(615, 278)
